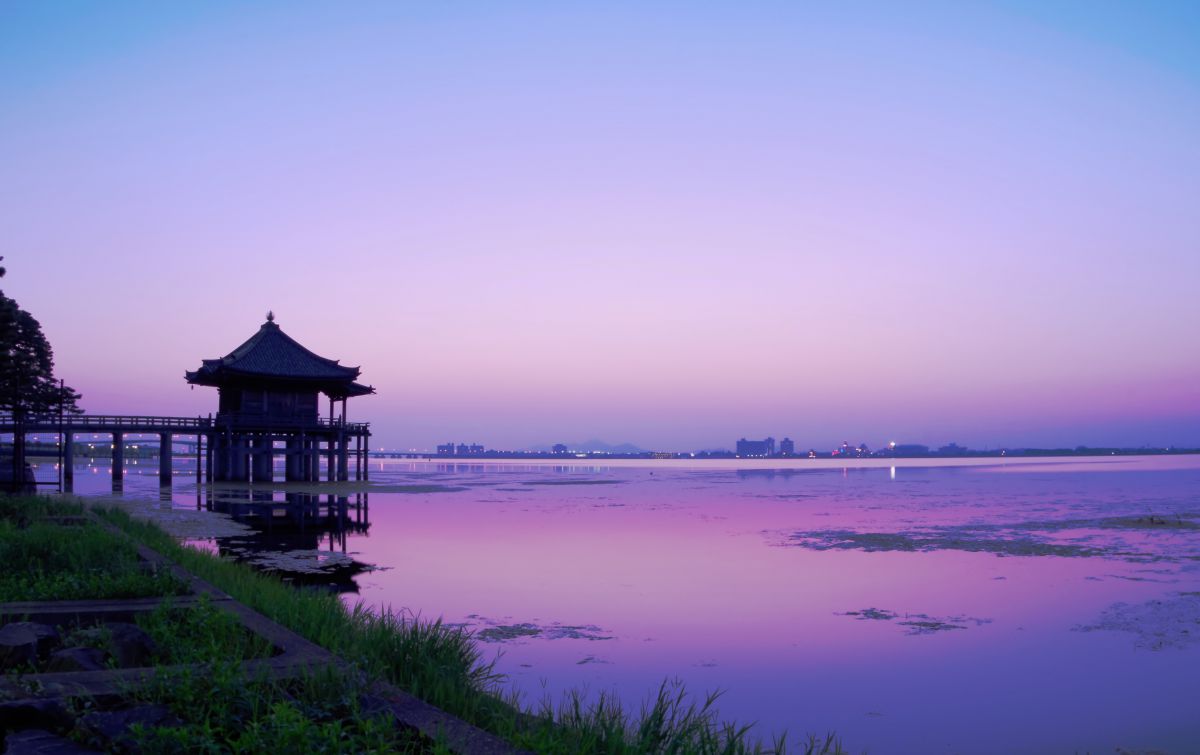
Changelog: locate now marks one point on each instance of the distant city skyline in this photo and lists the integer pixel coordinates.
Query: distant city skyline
(670, 225)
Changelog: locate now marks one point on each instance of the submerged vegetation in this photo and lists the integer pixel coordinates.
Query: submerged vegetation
(221, 708)
(955, 539)
(1172, 622)
(917, 623)
(553, 483)
(1031, 538)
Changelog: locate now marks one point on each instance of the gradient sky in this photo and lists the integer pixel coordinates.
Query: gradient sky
(672, 224)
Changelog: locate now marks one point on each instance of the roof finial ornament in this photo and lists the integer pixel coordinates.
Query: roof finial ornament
(270, 316)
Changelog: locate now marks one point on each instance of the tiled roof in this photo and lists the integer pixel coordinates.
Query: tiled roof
(271, 353)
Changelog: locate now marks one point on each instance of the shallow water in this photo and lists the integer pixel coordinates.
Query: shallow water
(998, 608)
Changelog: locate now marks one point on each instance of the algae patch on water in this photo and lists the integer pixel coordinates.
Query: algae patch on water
(1138, 538)
(572, 482)
(187, 524)
(1169, 623)
(506, 632)
(948, 538)
(300, 561)
(916, 623)
(494, 631)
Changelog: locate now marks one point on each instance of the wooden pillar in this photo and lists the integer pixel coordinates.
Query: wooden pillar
(164, 460)
(68, 469)
(293, 462)
(366, 441)
(208, 456)
(309, 460)
(264, 458)
(241, 453)
(357, 457)
(223, 454)
(331, 456)
(343, 472)
(199, 460)
(118, 460)
(363, 456)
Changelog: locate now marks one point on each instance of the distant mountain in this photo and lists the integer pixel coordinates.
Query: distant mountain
(591, 446)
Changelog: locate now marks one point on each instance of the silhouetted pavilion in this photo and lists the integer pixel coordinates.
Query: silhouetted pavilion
(268, 391)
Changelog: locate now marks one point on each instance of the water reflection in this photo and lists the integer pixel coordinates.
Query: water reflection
(907, 609)
(293, 532)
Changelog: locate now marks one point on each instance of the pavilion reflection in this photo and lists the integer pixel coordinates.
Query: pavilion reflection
(300, 536)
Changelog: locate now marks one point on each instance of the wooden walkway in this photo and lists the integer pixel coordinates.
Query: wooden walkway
(227, 449)
(106, 424)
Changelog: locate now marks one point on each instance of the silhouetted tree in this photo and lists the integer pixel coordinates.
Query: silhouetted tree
(27, 381)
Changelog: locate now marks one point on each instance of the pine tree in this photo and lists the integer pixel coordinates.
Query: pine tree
(27, 382)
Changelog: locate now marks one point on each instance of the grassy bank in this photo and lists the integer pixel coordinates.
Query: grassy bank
(438, 664)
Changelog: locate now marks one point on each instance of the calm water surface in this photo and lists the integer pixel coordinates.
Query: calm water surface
(1030, 608)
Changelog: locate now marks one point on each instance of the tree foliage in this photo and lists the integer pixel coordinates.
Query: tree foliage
(27, 382)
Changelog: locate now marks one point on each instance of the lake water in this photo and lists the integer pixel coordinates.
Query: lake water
(1012, 607)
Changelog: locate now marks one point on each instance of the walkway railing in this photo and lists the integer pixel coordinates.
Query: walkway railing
(113, 421)
(132, 423)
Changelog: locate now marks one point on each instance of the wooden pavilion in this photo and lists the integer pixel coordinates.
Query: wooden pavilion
(269, 390)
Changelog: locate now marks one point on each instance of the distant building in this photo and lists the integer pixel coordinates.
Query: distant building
(787, 447)
(910, 449)
(765, 447)
(461, 449)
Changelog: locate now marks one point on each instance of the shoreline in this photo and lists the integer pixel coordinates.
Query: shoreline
(1139, 461)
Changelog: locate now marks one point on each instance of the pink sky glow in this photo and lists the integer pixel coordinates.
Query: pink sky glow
(670, 225)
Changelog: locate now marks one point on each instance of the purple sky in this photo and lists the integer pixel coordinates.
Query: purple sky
(671, 224)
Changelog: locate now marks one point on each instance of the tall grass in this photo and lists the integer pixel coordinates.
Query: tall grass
(223, 709)
(45, 561)
(200, 632)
